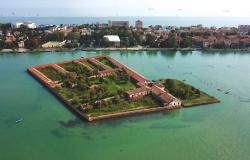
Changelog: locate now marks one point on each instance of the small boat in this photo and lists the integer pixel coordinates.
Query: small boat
(227, 92)
(19, 120)
(220, 90)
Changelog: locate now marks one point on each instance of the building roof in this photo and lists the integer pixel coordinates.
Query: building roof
(112, 38)
(136, 91)
(166, 97)
(107, 71)
(159, 85)
(52, 44)
(156, 90)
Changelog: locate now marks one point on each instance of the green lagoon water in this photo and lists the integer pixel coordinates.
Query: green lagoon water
(49, 131)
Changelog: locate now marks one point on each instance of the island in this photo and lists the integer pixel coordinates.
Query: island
(100, 87)
(188, 95)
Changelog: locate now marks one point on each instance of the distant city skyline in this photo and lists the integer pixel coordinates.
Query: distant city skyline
(97, 8)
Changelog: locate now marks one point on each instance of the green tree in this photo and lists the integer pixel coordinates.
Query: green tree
(5, 27)
(73, 36)
(172, 41)
(151, 41)
(86, 40)
(70, 79)
(116, 99)
(186, 42)
(75, 101)
(55, 36)
(33, 43)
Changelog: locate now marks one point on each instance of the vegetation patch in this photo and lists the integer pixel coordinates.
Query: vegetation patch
(91, 65)
(119, 104)
(189, 95)
(96, 96)
(107, 62)
(80, 70)
(97, 92)
(51, 73)
(89, 90)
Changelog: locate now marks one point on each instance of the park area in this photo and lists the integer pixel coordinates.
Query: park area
(95, 95)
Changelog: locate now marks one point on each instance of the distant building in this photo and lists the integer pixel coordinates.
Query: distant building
(113, 40)
(1, 33)
(21, 44)
(119, 24)
(30, 25)
(164, 97)
(53, 44)
(27, 24)
(102, 25)
(86, 31)
(9, 38)
(244, 29)
(138, 24)
(18, 24)
(137, 93)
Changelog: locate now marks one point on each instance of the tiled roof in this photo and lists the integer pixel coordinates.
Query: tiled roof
(166, 97)
(156, 90)
(136, 91)
(107, 71)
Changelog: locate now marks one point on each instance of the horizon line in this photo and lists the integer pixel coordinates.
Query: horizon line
(122, 16)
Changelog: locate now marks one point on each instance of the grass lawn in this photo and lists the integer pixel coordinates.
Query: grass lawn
(94, 81)
(113, 88)
(106, 62)
(69, 93)
(125, 105)
(91, 65)
(77, 68)
(51, 73)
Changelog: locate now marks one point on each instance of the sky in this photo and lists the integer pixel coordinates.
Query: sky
(106, 8)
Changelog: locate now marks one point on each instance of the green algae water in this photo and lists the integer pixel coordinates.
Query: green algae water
(50, 131)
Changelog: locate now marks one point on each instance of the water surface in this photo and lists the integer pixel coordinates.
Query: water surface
(49, 131)
(155, 20)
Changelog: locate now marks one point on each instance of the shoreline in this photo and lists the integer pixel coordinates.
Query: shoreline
(201, 104)
(118, 49)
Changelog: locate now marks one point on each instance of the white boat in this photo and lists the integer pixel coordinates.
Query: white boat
(19, 120)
